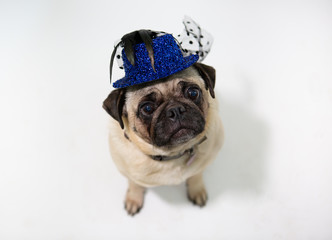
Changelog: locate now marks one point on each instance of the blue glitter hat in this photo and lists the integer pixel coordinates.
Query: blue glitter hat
(168, 59)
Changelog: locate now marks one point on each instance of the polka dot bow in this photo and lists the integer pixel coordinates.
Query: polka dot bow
(193, 40)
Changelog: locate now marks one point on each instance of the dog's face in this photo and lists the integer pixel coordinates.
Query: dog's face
(167, 112)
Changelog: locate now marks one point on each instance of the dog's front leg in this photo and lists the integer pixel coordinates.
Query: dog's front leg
(196, 190)
(134, 198)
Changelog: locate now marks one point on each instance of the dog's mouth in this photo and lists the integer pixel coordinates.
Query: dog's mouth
(182, 135)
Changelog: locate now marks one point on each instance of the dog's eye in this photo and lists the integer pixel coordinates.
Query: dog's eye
(192, 93)
(148, 108)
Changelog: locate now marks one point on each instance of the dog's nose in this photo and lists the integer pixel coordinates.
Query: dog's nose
(174, 113)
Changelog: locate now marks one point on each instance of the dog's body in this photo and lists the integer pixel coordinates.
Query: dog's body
(166, 136)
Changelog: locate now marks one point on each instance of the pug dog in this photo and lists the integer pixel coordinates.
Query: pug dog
(166, 131)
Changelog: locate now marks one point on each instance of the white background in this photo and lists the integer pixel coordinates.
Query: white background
(273, 178)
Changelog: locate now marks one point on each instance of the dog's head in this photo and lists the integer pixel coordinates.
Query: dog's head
(166, 112)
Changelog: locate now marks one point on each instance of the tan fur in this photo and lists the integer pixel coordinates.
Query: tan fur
(131, 156)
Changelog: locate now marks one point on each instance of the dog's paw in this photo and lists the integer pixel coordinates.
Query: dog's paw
(134, 200)
(132, 206)
(196, 190)
(198, 196)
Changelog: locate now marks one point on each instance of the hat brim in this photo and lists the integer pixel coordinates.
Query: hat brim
(129, 81)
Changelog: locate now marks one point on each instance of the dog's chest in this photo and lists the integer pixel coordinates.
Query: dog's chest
(149, 172)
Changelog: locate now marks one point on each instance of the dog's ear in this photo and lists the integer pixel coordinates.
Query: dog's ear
(208, 74)
(114, 103)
